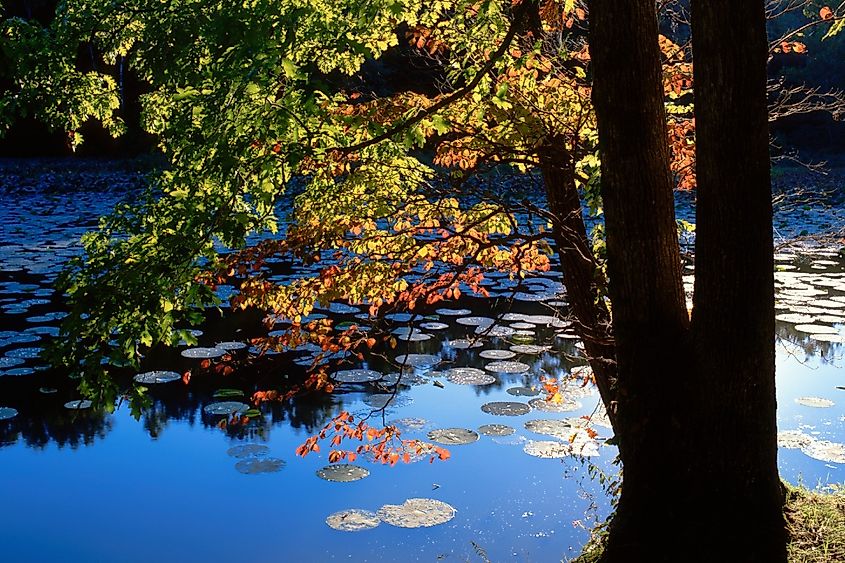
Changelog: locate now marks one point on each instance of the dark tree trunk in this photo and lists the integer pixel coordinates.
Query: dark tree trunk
(695, 411)
(650, 319)
(581, 274)
(733, 325)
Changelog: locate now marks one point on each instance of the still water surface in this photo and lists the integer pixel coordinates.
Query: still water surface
(89, 486)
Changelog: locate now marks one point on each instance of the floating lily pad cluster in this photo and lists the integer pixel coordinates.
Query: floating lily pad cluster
(413, 513)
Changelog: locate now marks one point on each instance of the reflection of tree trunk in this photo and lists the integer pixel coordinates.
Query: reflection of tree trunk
(734, 286)
(695, 417)
(581, 274)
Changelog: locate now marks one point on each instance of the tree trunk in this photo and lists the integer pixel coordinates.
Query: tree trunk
(650, 320)
(581, 274)
(695, 412)
(733, 323)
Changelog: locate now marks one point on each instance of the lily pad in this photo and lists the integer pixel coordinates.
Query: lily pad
(453, 312)
(453, 436)
(256, 465)
(816, 329)
(342, 473)
(531, 349)
(523, 392)
(417, 513)
(475, 321)
(469, 376)
(48, 390)
(506, 408)
(387, 400)
(547, 449)
(497, 354)
(823, 450)
(410, 424)
(496, 430)
(356, 376)
(507, 367)
(154, 377)
(418, 360)
(541, 404)
(353, 520)
(248, 450)
(231, 346)
(464, 343)
(228, 393)
(433, 325)
(7, 412)
(225, 408)
(794, 439)
(203, 353)
(816, 402)
(551, 427)
(24, 353)
(79, 404)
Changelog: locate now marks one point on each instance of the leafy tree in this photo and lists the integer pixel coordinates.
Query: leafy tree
(253, 100)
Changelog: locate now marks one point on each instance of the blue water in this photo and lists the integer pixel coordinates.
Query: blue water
(90, 486)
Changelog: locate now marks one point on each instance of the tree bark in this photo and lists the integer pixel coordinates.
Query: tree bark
(733, 325)
(581, 273)
(695, 412)
(650, 319)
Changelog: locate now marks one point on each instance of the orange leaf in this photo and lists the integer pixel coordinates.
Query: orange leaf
(826, 13)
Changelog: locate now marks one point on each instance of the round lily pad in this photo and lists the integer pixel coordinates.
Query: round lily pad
(815, 329)
(434, 325)
(523, 326)
(506, 408)
(48, 390)
(6, 362)
(453, 436)
(834, 338)
(231, 346)
(816, 402)
(496, 430)
(541, 404)
(547, 449)
(248, 450)
(507, 367)
(353, 520)
(24, 353)
(531, 349)
(523, 392)
(387, 400)
(79, 404)
(225, 408)
(342, 473)
(495, 331)
(154, 377)
(550, 427)
(464, 343)
(356, 376)
(469, 376)
(7, 412)
(475, 321)
(203, 353)
(794, 439)
(497, 354)
(416, 513)
(823, 450)
(453, 312)
(256, 465)
(418, 360)
(410, 424)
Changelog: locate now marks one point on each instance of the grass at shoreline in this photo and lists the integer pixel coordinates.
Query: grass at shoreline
(815, 523)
